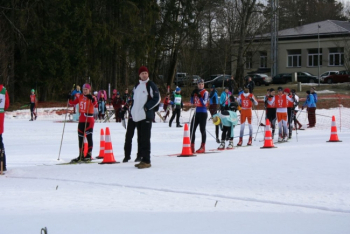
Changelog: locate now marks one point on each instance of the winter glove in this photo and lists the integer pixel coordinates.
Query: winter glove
(194, 92)
(89, 96)
(69, 96)
(199, 93)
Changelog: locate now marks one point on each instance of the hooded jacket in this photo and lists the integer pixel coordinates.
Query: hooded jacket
(144, 102)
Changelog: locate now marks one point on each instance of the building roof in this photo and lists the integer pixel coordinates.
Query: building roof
(327, 27)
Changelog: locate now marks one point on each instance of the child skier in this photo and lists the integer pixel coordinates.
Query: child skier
(95, 106)
(166, 106)
(246, 100)
(86, 122)
(176, 100)
(117, 105)
(102, 107)
(227, 120)
(4, 104)
(32, 105)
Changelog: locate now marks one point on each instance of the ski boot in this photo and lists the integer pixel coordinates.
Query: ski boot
(250, 141)
(87, 158)
(169, 124)
(192, 148)
(240, 141)
(222, 145)
(201, 150)
(179, 126)
(280, 138)
(35, 117)
(285, 138)
(78, 159)
(218, 141)
(31, 120)
(230, 145)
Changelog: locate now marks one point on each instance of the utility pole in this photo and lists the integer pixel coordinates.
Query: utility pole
(274, 37)
(319, 62)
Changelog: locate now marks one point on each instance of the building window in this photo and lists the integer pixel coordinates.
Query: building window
(249, 60)
(263, 59)
(294, 58)
(313, 57)
(336, 56)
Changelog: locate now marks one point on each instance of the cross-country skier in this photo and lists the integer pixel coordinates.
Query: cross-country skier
(213, 108)
(166, 106)
(225, 100)
(86, 122)
(290, 111)
(271, 110)
(102, 107)
(176, 101)
(32, 105)
(199, 98)
(296, 109)
(95, 105)
(227, 120)
(4, 104)
(282, 116)
(246, 100)
(117, 105)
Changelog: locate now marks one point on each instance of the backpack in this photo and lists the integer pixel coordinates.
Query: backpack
(156, 108)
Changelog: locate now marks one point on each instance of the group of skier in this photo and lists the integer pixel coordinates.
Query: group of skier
(142, 105)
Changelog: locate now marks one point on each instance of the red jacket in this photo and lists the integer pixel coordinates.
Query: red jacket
(4, 106)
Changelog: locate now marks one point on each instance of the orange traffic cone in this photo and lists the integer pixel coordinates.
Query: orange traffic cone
(102, 145)
(186, 147)
(334, 134)
(108, 158)
(86, 146)
(268, 142)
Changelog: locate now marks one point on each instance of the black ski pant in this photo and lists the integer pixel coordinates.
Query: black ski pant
(88, 132)
(176, 113)
(32, 110)
(226, 133)
(271, 116)
(144, 128)
(130, 131)
(200, 119)
(2, 148)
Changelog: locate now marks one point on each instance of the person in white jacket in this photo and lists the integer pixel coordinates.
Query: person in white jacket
(146, 99)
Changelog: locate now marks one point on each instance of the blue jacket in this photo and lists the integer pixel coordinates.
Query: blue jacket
(228, 119)
(213, 97)
(223, 99)
(310, 101)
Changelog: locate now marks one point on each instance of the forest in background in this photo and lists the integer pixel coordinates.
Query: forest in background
(51, 45)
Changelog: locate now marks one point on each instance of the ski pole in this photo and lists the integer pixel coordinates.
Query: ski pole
(192, 124)
(211, 134)
(64, 125)
(259, 125)
(24, 106)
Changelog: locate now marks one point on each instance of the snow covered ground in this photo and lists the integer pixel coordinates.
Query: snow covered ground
(302, 186)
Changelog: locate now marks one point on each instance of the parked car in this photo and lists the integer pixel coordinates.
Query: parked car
(328, 73)
(179, 78)
(218, 80)
(303, 77)
(186, 80)
(282, 78)
(338, 77)
(260, 79)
